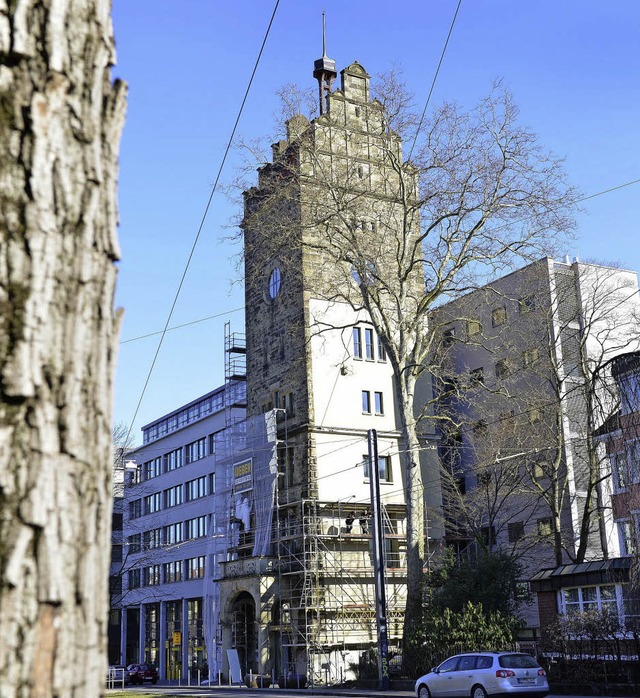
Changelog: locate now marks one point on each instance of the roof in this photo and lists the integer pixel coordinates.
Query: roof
(582, 574)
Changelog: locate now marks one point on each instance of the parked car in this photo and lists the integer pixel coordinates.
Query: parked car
(479, 674)
(139, 673)
(116, 675)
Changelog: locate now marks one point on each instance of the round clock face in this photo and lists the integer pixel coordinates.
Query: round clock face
(275, 282)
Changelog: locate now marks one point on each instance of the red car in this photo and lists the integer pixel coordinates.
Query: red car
(139, 673)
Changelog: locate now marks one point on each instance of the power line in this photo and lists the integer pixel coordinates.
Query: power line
(204, 216)
(185, 324)
(435, 77)
(235, 310)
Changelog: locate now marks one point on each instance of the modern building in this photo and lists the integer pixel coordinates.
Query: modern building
(522, 373)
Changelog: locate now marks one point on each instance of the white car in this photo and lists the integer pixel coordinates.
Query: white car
(480, 674)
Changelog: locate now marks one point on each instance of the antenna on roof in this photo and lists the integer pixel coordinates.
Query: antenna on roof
(324, 71)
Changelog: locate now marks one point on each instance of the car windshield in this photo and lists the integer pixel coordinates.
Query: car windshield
(517, 661)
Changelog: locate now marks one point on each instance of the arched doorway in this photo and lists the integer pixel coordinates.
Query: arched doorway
(244, 635)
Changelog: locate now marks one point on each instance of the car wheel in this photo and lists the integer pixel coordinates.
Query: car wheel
(478, 692)
(423, 692)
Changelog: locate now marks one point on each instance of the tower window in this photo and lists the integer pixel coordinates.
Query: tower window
(368, 344)
(275, 282)
(382, 354)
(357, 343)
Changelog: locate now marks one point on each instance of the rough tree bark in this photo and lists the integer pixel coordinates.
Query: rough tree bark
(60, 124)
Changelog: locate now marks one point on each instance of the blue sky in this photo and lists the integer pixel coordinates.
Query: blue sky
(572, 65)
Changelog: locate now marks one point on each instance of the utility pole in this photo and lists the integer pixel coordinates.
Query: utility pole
(378, 562)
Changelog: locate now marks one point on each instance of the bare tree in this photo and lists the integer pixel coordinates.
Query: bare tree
(342, 208)
(60, 122)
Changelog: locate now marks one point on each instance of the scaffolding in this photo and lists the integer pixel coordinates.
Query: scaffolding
(327, 587)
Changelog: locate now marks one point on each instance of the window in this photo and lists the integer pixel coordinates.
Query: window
(368, 344)
(212, 483)
(135, 509)
(502, 368)
(627, 532)
(498, 316)
(197, 528)
(448, 337)
(135, 543)
(151, 575)
(152, 503)
(488, 535)
(153, 468)
(633, 459)
(384, 468)
(379, 402)
(152, 539)
(195, 567)
(275, 283)
(134, 579)
(476, 376)
(173, 496)
(196, 450)
(288, 404)
(526, 304)
(357, 343)
(545, 528)
(473, 328)
(619, 469)
(530, 357)
(197, 488)
(173, 571)
(212, 444)
(366, 402)
(382, 354)
(173, 460)
(516, 531)
(173, 533)
(600, 598)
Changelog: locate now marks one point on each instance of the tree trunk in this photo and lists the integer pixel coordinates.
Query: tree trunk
(60, 124)
(414, 495)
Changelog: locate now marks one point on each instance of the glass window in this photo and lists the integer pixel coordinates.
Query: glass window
(382, 354)
(368, 344)
(357, 343)
(517, 661)
(516, 531)
(196, 450)
(173, 571)
(384, 468)
(195, 567)
(152, 503)
(275, 282)
(173, 533)
(173, 460)
(366, 402)
(197, 488)
(173, 496)
(379, 403)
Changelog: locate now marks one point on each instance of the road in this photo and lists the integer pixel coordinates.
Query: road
(241, 691)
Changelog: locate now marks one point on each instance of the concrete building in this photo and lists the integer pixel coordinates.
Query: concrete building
(523, 374)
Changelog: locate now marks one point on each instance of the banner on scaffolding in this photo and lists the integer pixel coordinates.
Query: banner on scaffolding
(243, 476)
